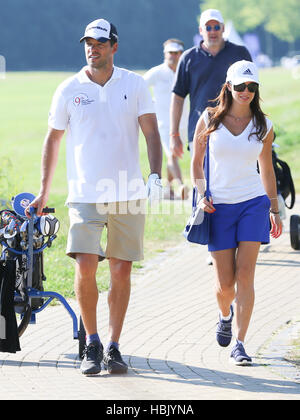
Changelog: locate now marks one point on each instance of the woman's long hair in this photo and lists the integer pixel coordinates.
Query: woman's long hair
(224, 102)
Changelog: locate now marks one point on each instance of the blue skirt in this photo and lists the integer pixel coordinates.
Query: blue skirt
(245, 221)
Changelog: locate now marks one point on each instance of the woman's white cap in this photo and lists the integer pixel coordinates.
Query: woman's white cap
(242, 71)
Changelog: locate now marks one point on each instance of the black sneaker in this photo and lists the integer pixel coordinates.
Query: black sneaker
(92, 358)
(113, 362)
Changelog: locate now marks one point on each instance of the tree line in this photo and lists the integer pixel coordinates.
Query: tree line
(280, 18)
(44, 35)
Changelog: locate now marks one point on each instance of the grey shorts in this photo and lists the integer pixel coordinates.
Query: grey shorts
(125, 222)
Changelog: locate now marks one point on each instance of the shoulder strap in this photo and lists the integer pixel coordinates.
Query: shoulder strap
(207, 192)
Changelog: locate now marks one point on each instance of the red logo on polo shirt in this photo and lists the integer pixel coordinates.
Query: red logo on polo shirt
(82, 99)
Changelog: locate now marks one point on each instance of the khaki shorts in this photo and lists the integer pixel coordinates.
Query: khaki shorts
(125, 222)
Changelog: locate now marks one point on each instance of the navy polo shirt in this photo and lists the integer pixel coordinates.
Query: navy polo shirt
(202, 76)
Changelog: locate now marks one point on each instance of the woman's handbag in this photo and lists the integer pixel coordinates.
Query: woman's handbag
(197, 229)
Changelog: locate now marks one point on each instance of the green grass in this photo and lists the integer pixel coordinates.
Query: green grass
(293, 355)
(281, 101)
(25, 101)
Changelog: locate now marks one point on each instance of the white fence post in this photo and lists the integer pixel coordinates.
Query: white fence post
(2, 67)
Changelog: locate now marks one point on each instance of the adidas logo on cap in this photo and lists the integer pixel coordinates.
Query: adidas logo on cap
(248, 71)
(241, 71)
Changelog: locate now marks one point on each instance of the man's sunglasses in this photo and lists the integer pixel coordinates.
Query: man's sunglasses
(215, 27)
(252, 87)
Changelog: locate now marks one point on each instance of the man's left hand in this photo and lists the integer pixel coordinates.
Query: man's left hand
(154, 188)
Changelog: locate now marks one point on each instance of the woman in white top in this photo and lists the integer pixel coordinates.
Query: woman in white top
(243, 202)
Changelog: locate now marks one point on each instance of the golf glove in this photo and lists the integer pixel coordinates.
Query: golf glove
(154, 189)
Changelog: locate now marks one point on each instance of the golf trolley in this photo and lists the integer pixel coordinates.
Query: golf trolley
(23, 241)
(285, 189)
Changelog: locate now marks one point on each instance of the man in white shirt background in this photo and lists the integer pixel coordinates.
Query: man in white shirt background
(161, 79)
(102, 107)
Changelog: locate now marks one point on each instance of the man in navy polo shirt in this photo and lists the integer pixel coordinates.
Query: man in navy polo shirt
(201, 73)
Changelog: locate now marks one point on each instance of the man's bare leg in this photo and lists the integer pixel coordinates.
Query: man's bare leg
(86, 290)
(118, 296)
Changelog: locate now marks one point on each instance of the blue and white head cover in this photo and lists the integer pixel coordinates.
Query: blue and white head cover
(21, 201)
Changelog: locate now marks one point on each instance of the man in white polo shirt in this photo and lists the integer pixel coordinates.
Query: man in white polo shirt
(161, 78)
(102, 108)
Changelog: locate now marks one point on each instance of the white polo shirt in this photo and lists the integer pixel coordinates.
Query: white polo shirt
(162, 79)
(102, 135)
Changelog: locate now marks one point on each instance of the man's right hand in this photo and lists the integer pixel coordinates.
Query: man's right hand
(38, 203)
(176, 146)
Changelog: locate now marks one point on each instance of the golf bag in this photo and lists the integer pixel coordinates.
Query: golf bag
(284, 180)
(38, 277)
(9, 337)
(15, 276)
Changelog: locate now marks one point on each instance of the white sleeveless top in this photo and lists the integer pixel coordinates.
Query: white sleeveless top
(233, 164)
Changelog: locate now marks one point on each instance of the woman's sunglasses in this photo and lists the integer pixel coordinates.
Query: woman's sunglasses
(252, 87)
(215, 27)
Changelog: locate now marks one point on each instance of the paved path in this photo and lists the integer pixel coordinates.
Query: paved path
(169, 338)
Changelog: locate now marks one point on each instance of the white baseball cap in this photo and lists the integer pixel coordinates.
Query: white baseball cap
(210, 14)
(173, 47)
(101, 30)
(242, 71)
